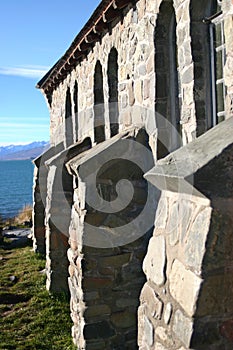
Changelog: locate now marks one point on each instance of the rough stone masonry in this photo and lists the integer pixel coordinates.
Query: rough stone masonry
(145, 94)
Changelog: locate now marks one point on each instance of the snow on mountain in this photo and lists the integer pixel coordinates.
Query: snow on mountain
(28, 151)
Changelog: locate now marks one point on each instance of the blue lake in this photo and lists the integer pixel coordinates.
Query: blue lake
(16, 181)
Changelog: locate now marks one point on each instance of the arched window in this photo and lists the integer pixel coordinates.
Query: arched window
(99, 123)
(208, 51)
(167, 89)
(68, 120)
(75, 99)
(113, 91)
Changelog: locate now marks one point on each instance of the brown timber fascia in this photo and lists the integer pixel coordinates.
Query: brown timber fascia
(105, 13)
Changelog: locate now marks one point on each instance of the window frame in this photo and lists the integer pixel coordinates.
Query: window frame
(218, 115)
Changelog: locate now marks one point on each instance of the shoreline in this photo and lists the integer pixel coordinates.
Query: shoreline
(18, 237)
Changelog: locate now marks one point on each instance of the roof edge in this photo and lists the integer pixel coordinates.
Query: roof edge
(104, 14)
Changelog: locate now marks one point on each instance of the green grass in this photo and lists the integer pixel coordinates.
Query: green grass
(30, 317)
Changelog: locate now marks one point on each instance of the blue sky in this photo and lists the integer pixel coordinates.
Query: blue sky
(33, 36)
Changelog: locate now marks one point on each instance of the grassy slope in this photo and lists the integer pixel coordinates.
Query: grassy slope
(30, 318)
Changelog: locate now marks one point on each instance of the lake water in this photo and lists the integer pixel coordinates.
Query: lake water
(16, 181)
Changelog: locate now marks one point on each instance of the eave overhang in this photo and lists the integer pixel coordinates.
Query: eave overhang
(94, 29)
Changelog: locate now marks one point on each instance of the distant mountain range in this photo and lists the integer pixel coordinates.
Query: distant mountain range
(21, 152)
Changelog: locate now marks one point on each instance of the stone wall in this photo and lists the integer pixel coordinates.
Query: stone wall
(228, 75)
(186, 301)
(163, 89)
(134, 42)
(39, 198)
(40, 192)
(57, 219)
(105, 257)
(173, 269)
(135, 74)
(214, 315)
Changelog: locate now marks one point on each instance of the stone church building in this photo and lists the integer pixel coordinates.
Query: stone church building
(133, 200)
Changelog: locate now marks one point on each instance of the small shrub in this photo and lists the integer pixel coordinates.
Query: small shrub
(1, 227)
(24, 217)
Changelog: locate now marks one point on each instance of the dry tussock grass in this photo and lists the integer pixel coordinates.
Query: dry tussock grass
(25, 215)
